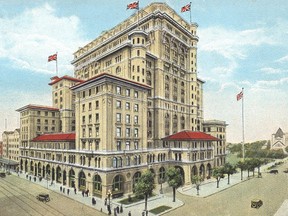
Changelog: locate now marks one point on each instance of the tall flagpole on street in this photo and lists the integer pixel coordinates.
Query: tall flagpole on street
(138, 16)
(243, 134)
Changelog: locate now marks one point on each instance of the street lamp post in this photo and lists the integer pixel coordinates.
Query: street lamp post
(109, 204)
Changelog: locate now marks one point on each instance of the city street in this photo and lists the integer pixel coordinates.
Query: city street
(236, 200)
(18, 197)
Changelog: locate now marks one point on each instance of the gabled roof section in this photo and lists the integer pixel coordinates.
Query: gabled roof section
(190, 135)
(107, 75)
(37, 107)
(55, 137)
(279, 133)
(57, 79)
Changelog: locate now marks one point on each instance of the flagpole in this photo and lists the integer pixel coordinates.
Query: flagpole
(243, 139)
(56, 63)
(138, 16)
(190, 13)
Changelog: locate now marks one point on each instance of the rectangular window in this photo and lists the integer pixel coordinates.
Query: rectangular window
(83, 107)
(90, 119)
(118, 145)
(127, 107)
(127, 145)
(127, 119)
(136, 145)
(136, 132)
(118, 90)
(128, 92)
(136, 94)
(118, 117)
(90, 132)
(97, 118)
(83, 119)
(97, 131)
(118, 131)
(118, 104)
(136, 107)
(136, 119)
(97, 104)
(90, 106)
(127, 132)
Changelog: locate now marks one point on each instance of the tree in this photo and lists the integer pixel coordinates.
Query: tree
(174, 179)
(197, 180)
(145, 186)
(242, 166)
(218, 173)
(229, 169)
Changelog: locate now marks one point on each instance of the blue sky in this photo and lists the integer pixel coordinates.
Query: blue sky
(242, 44)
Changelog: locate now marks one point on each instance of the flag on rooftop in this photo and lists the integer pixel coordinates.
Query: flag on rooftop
(186, 8)
(133, 5)
(52, 57)
(239, 96)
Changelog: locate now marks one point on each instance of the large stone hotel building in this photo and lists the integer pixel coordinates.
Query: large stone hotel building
(135, 103)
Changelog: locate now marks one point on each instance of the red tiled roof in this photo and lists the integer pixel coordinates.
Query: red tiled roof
(55, 137)
(56, 79)
(190, 135)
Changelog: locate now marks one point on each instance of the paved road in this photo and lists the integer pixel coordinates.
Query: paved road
(235, 201)
(17, 197)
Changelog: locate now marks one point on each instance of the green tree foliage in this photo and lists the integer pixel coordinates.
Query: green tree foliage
(242, 166)
(229, 169)
(145, 186)
(174, 179)
(197, 180)
(218, 173)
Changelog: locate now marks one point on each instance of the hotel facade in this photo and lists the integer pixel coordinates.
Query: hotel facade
(135, 103)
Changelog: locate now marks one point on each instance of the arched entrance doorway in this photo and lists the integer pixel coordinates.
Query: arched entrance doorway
(209, 170)
(58, 174)
(118, 184)
(71, 178)
(182, 173)
(97, 185)
(64, 177)
(202, 171)
(39, 169)
(26, 166)
(82, 181)
(136, 178)
(35, 169)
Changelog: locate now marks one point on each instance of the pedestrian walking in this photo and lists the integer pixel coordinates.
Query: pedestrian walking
(63, 190)
(68, 191)
(93, 201)
(117, 209)
(83, 192)
(60, 188)
(75, 191)
(105, 201)
(129, 213)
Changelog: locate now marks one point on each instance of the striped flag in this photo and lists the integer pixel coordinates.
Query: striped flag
(52, 57)
(186, 8)
(239, 96)
(133, 5)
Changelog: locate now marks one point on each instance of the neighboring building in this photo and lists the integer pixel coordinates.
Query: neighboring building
(10, 157)
(36, 120)
(279, 140)
(217, 129)
(137, 103)
(63, 98)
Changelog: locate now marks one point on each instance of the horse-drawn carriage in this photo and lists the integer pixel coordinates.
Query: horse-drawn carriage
(256, 203)
(43, 197)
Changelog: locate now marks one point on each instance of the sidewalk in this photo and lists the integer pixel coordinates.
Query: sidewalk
(209, 187)
(136, 209)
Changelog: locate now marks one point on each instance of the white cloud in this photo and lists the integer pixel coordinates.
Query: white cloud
(270, 70)
(231, 44)
(30, 37)
(283, 59)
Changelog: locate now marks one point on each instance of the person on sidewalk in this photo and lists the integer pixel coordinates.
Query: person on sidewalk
(129, 213)
(93, 201)
(68, 191)
(75, 191)
(63, 190)
(83, 192)
(60, 188)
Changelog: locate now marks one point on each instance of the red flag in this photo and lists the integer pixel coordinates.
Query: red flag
(239, 96)
(133, 5)
(186, 8)
(52, 57)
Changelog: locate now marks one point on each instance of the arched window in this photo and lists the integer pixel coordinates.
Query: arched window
(136, 178)
(117, 184)
(97, 185)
